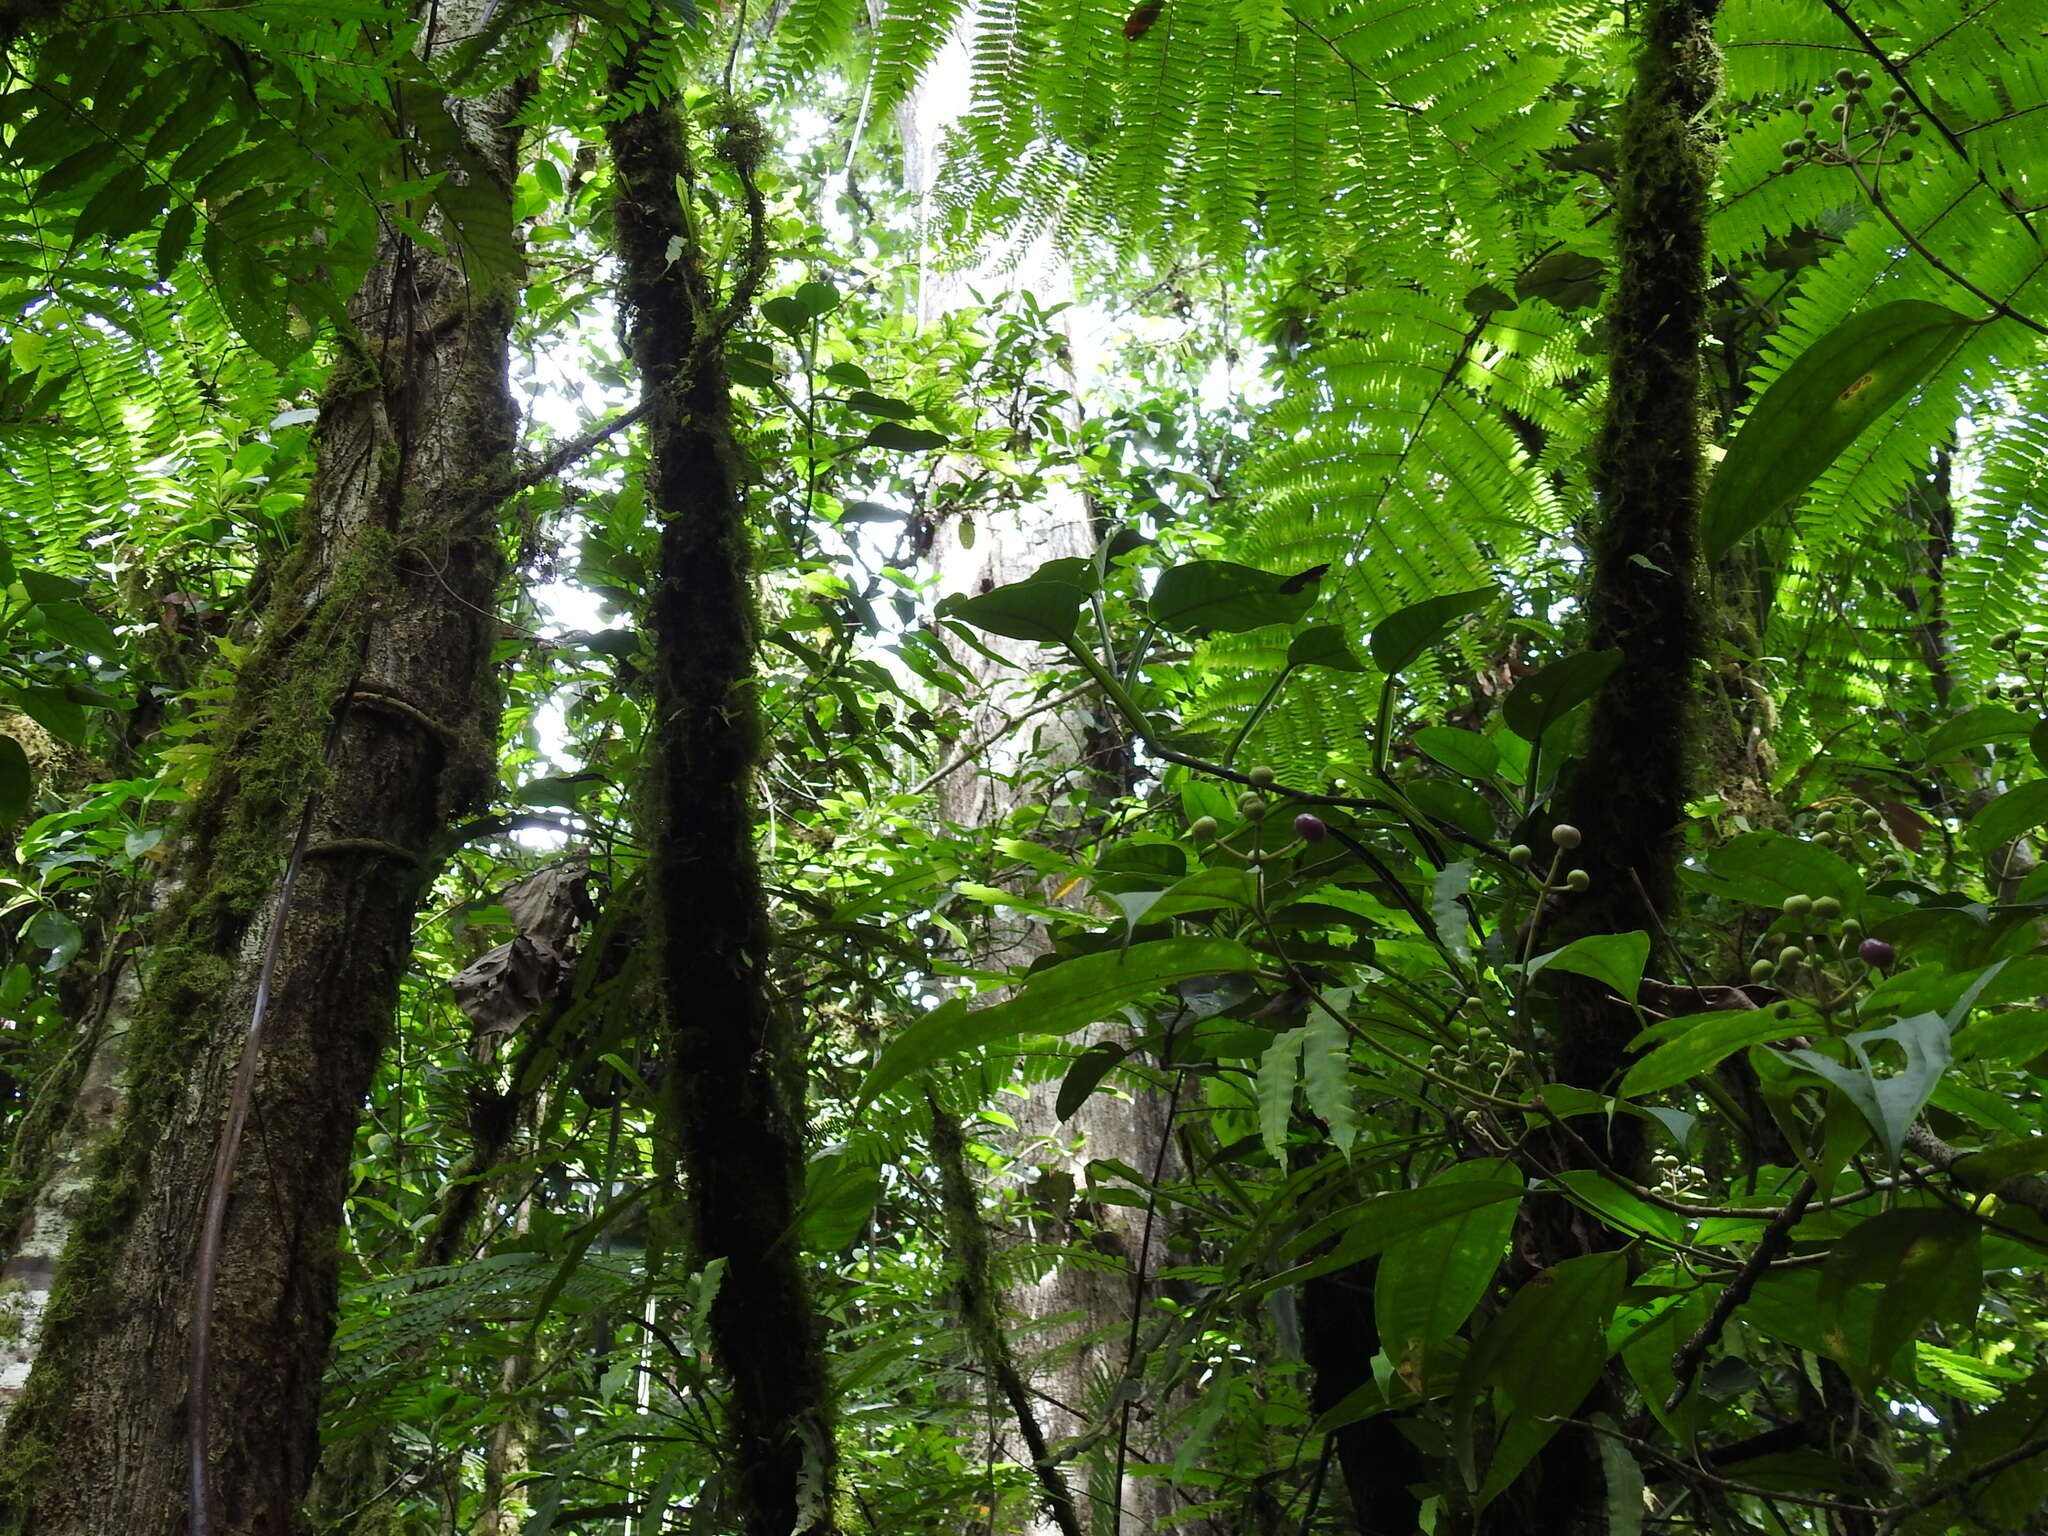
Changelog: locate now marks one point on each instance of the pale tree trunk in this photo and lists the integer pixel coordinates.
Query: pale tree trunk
(1070, 1324)
(364, 719)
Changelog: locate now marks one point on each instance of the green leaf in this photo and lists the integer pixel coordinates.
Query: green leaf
(1403, 635)
(1976, 728)
(1766, 867)
(1923, 1260)
(786, 315)
(1326, 1077)
(868, 403)
(1463, 752)
(76, 625)
(1538, 1361)
(1055, 1001)
(816, 298)
(1822, 403)
(1036, 608)
(1615, 958)
(175, 238)
(16, 783)
(1615, 1205)
(55, 711)
(898, 438)
(53, 930)
(1890, 1103)
(1210, 596)
(1279, 1070)
(840, 1191)
(1429, 1283)
(2016, 811)
(1547, 695)
(1708, 1039)
(1374, 1225)
(1086, 1074)
(1447, 909)
(1323, 645)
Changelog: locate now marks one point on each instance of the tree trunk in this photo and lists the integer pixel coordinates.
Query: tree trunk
(733, 1068)
(364, 719)
(1628, 796)
(1071, 1321)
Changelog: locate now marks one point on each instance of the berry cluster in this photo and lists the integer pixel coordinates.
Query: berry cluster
(1894, 118)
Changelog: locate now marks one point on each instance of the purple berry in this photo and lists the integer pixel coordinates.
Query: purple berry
(1310, 829)
(1876, 952)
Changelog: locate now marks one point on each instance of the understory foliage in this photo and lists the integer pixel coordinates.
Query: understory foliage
(1350, 283)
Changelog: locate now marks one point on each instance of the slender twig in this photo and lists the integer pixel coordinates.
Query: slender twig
(573, 451)
(1775, 1239)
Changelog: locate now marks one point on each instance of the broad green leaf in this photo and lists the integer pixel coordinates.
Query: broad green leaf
(1403, 635)
(1707, 1040)
(1374, 1225)
(816, 297)
(1547, 695)
(1279, 1070)
(1819, 405)
(868, 403)
(1615, 958)
(1216, 596)
(1326, 1077)
(1086, 1075)
(1464, 752)
(1766, 867)
(1607, 1199)
(2016, 811)
(1624, 1475)
(1890, 1103)
(16, 783)
(1537, 1360)
(55, 711)
(1323, 645)
(1976, 728)
(53, 930)
(1993, 1166)
(1036, 608)
(840, 1190)
(76, 625)
(1923, 1261)
(1054, 1001)
(896, 436)
(1429, 1283)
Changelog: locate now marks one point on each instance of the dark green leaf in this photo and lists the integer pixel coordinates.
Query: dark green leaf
(1975, 728)
(1464, 752)
(1403, 635)
(1206, 596)
(1822, 403)
(1054, 1001)
(1323, 645)
(1891, 1102)
(1429, 1283)
(1615, 958)
(1039, 608)
(899, 438)
(2016, 811)
(1546, 696)
(16, 783)
(1086, 1074)
(1708, 1039)
(76, 625)
(868, 403)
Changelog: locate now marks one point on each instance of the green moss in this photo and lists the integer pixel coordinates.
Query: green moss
(271, 757)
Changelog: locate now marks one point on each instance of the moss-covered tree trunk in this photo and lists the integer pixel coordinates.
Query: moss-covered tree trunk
(733, 1066)
(1627, 797)
(364, 718)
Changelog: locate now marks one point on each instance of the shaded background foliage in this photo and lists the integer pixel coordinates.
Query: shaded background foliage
(1344, 338)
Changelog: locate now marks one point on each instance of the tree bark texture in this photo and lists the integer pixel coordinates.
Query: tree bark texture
(370, 696)
(1628, 795)
(734, 1064)
(1071, 1315)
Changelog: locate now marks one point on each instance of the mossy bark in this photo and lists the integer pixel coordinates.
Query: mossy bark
(734, 1070)
(1628, 794)
(372, 689)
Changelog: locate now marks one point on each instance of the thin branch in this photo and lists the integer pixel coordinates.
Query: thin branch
(572, 452)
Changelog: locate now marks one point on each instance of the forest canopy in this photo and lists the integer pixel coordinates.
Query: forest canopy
(1027, 768)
